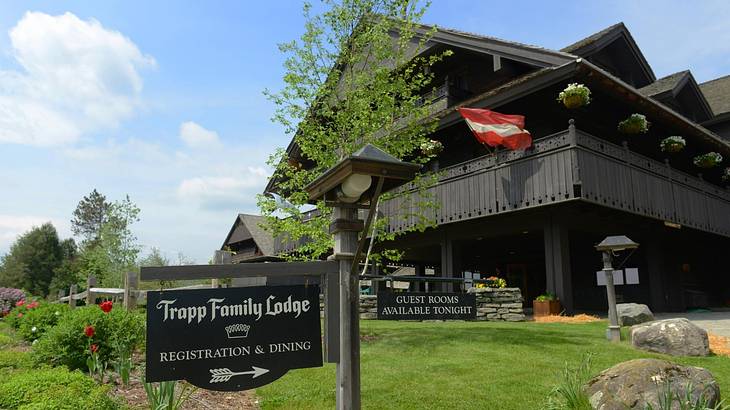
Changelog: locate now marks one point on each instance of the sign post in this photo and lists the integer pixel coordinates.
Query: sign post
(345, 228)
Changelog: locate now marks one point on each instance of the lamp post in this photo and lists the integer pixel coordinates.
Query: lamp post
(608, 247)
(355, 182)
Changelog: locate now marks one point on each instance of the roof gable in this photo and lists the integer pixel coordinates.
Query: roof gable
(248, 227)
(615, 50)
(680, 91)
(533, 55)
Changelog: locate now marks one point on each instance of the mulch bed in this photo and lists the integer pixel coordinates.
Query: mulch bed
(136, 397)
(582, 318)
(719, 345)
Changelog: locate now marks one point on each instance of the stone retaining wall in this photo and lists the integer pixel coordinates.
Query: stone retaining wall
(503, 304)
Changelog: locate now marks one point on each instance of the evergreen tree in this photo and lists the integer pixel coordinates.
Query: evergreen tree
(89, 216)
(33, 260)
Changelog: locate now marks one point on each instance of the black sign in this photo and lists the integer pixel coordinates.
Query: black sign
(426, 306)
(234, 338)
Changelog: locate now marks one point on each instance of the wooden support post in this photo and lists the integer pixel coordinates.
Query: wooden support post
(331, 290)
(131, 283)
(220, 258)
(558, 278)
(71, 293)
(90, 298)
(447, 263)
(348, 369)
(61, 294)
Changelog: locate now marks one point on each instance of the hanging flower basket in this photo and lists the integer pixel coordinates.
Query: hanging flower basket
(674, 143)
(575, 95)
(635, 124)
(726, 175)
(431, 148)
(709, 160)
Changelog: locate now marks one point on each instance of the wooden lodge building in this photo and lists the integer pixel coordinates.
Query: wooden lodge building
(533, 217)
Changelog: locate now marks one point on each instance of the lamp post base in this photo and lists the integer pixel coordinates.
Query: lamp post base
(613, 333)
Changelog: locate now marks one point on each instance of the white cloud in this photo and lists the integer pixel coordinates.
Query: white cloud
(12, 226)
(196, 136)
(224, 192)
(77, 76)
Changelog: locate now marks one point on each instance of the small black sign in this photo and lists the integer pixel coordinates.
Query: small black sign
(426, 306)
(232, 339)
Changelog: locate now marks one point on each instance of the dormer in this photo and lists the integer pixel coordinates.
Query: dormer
(614, 50)
(680, 92)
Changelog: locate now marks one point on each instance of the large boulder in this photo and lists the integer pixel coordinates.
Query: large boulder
(640, 383)
(630, 314)
(676, 337)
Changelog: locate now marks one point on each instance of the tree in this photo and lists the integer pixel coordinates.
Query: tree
(66, 273)
(154, 258)
(115, 250)
(89, 216)
(354, 77)
(32, 260)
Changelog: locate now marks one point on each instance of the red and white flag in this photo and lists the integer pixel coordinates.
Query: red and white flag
(493, 128)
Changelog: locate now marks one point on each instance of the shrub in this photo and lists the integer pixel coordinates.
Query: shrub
(56, 389)
(15, 317)
(36, 322)
(66, 343)
(8, 298)
(11, 359)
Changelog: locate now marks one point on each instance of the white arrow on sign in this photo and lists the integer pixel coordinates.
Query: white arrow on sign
(225, 374)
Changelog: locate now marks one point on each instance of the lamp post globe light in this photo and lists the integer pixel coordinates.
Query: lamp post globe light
(353, 183)
(609, 246)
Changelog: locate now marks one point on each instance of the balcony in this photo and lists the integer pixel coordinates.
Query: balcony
(568, 166)
(444, 96)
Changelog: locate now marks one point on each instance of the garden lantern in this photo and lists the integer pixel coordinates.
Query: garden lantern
(609, 246)
(349, 185)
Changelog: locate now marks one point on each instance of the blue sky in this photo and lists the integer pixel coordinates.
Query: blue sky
(163, 100)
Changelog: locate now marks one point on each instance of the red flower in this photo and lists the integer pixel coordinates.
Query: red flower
(20, 315)
(20, 303)
(106, 306)
(94, 348)
(89, 331)
(32, 305)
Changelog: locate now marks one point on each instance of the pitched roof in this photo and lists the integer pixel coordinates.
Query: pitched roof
(597, 41)
(717, 93)
(248, 226)
(593, 38)
(526, 53)
(664, 84)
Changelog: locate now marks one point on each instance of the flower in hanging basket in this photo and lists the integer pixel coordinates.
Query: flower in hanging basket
(575, 95)
(709, 160)
(635, 124)
(726, 175)
(674, 143)
(431, 148)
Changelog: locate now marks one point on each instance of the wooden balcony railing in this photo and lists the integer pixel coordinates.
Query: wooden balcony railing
(568, 165)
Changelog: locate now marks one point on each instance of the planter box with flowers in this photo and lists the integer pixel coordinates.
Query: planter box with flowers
(635, 124)
(708, 160)
(575, 95)
(546, 305)
(674, 143)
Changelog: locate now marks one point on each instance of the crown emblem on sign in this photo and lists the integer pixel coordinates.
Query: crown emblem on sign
(237, 331)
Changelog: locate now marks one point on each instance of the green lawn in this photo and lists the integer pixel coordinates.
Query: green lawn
(465, 365)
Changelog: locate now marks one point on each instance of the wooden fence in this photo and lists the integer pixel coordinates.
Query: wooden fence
(129, 295)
